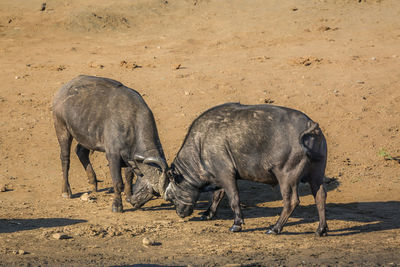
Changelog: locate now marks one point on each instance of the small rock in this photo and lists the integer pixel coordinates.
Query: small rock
(3, 188)
(60, 236)
(324, 28)
(177, 66)
(147, 242)
(43, 7)
(19, 252)
(187, 93)
(87, 197)
(360, 82)
(62, 67)
(373, 58)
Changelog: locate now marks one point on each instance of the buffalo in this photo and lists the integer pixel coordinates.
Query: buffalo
(104, 115)
(262, 143)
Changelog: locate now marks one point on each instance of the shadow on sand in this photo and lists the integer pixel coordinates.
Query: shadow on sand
(146, 265)
(16, 225)
(369, 216)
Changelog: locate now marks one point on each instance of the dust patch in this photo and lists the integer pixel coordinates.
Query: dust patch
(97, 21)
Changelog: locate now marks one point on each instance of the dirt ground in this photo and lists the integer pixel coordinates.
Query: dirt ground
(336, 60)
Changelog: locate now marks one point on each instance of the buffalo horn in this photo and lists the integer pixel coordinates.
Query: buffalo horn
(162, 184)
(156, 160)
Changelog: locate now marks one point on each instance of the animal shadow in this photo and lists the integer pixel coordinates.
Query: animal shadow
(147, 265)
(16, 225)
(366, 216)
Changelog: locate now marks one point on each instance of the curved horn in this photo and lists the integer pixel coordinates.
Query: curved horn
(163, 182)
(138, 158)
(156, 160)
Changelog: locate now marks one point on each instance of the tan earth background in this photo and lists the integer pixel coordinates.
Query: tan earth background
(336, 60)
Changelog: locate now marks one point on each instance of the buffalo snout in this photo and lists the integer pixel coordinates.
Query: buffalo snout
(184, 210)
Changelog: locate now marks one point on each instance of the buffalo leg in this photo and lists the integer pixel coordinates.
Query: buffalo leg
(230, 188)
(217, 196)
(128, 183)
(290, 202)
(64, 140)
(115, 169)
(319, 193)
(83, 155)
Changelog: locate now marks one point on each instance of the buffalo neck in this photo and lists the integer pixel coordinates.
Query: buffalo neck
(189, 173)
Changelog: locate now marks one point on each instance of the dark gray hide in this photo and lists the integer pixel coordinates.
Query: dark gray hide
(104, 115)
(262, 143)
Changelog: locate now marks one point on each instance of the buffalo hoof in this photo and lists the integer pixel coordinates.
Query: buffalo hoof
(272, 231)
(66, 195)
(321, 232)
(134, 205)
(235, 228)
(206, 217)
(94, 187)
(117, 208)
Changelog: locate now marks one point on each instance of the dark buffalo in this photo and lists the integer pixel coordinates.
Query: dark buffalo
(104, 115)
(261, 143)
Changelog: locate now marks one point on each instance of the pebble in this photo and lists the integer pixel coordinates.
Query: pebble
(3, 188)
(19, 252)
(147, 242)
(87, 197)
(60, 236)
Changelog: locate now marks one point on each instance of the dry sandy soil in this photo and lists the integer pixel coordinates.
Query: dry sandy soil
(336, 60)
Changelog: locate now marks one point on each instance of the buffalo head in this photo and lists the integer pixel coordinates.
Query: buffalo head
(181, 193)
(151, 180)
